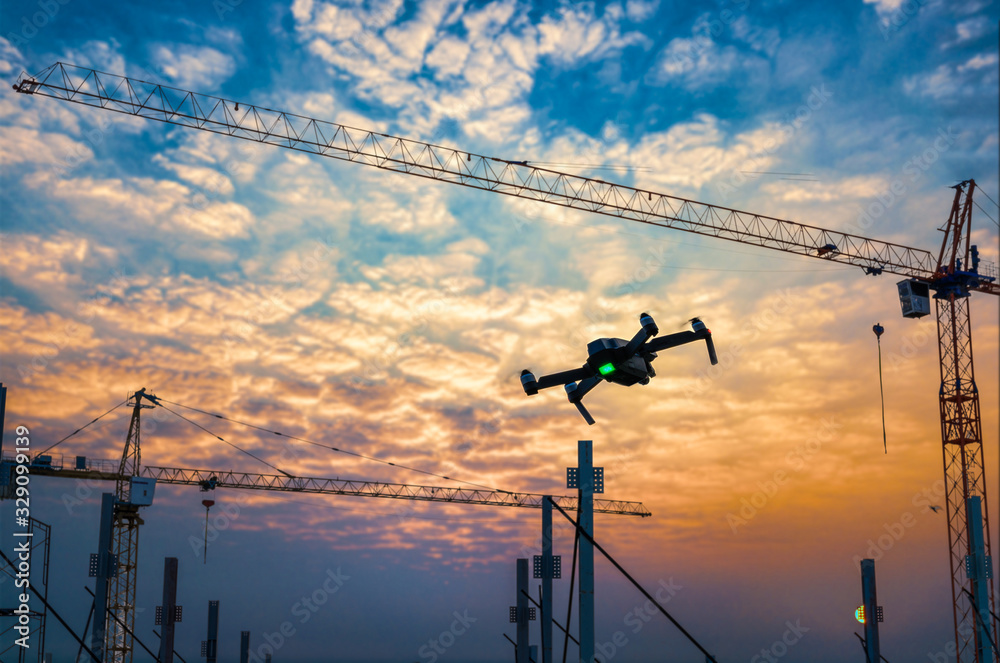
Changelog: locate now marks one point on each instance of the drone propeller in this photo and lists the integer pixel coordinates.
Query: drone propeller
(689, 321)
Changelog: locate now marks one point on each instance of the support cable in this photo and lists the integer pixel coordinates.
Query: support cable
(554, 621)
(625, 573)
(56, 615)
(83, 427)
(980, 190)
(175, 651)
(86, 628)
(197, 425)
(981, 621)
(986, 213)
(864, 646)
(326, 446)
(127, 629)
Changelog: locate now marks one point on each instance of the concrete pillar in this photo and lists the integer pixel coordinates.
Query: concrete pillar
(168, 610)
(870, 603)
(102, 571)
(522, 611)
(586, 478)
(547, 566)
(978, 574)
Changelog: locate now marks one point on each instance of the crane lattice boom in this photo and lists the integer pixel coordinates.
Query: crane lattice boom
(350, 487)
(153, 101)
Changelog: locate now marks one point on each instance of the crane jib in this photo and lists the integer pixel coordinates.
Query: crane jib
(519, 179)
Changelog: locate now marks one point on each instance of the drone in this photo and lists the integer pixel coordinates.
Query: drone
(619, 361)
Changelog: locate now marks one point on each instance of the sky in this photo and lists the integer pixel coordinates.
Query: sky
(391, 315)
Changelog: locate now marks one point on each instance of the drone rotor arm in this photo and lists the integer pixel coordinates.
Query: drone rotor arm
(673, 340)
(565, 377)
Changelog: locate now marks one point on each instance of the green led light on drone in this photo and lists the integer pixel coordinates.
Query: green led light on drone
(607, 368)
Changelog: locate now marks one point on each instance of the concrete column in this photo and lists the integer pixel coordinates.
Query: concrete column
(586, 473)
(870, 603)
(522, 611)
(103, 572)
(547, 566)
(168, 609)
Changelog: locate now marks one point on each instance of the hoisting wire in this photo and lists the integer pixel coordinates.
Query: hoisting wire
(197, 425)
(326, 446)
(582, 532)
(879, 329)
(83, 427)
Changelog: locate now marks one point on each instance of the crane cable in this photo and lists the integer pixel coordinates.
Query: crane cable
(326, 446)
(879, 329)
(590, 539)
(83, 427)
(197, 425)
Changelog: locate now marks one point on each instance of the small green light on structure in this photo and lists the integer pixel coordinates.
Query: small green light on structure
(607, 368)
(859, 614)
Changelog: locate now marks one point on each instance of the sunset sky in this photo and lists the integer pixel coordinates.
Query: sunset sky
(391, 315)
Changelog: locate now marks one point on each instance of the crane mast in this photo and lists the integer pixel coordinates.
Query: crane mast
(953, 276)
(125, 544)
(961, 428)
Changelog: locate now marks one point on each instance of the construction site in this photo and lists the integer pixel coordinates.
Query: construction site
(284, 379)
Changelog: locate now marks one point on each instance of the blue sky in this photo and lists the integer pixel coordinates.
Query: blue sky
(391, 315)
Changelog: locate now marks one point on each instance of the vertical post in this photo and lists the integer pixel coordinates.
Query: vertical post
(870, 602)
(244, 646)
(102, 567)
(585, 450)
(977, 569)
(168, 609)
(212, 643)
(547, 567)
(533, 654)
(522, 611)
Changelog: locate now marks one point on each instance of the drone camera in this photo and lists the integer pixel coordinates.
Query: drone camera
(529, 383)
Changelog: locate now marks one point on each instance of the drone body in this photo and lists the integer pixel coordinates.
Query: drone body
(618, 361)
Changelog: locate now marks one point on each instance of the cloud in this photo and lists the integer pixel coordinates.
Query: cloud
(198, 68)
(482, 75)
(949, 81)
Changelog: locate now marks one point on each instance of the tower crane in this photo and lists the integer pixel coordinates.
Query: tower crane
(952, 277)
(133, 489)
